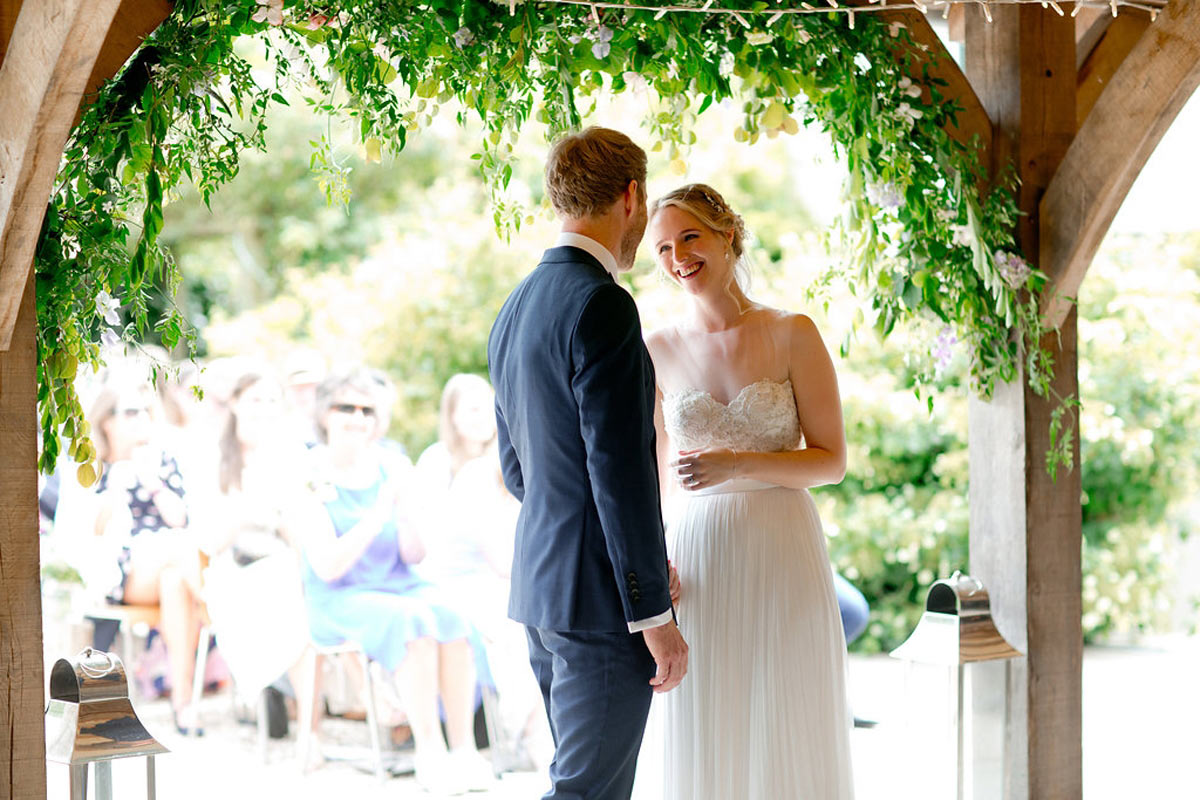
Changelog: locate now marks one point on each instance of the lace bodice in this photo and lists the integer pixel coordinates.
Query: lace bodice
(762, 418)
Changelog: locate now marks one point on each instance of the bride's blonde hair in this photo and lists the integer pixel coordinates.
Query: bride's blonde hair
(707, 205)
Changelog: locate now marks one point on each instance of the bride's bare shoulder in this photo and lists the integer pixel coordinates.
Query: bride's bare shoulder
(659, 342)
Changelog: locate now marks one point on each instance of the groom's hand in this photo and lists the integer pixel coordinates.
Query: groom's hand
(670, 653)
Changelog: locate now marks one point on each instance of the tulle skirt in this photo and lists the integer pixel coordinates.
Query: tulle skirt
(762, 713)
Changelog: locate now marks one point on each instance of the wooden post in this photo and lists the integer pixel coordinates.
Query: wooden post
(1025, 528)
(22, 731)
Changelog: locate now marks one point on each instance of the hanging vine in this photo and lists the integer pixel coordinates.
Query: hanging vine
(922, 240)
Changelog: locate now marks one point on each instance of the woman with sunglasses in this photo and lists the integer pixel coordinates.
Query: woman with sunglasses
(359, 540)
(142, 508)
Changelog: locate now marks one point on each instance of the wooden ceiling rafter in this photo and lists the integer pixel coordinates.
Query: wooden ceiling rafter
(1130, 116)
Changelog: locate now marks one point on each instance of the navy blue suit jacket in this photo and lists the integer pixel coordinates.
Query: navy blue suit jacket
(575, 412)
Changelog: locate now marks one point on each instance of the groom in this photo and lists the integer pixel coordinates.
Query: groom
(575, 413)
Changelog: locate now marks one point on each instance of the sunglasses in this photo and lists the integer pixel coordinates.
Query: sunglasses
(350, 408)
(132, 412)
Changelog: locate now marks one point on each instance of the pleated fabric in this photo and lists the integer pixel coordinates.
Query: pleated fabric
(762, 713)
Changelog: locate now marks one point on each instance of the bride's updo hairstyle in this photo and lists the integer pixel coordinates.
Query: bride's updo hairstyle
(707, 205)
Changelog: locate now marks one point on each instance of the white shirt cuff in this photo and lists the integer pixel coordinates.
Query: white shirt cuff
(652, 622)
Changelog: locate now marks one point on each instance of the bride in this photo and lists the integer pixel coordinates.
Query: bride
(749, 418)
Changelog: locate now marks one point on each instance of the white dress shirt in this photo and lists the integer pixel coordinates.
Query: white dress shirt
(609, 262)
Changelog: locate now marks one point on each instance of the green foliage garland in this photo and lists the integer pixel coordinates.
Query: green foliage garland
(921, 240)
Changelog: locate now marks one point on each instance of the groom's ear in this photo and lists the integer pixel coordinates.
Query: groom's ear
(632, 198)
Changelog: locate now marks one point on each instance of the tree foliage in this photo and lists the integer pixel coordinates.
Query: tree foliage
(924, 242)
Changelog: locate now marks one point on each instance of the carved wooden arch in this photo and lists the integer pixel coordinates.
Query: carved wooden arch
(52, 52)
(1126, 123)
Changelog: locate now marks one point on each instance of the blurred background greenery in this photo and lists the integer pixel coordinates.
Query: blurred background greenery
(409, 276)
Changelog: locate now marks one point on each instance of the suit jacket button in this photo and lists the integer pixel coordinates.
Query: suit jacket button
(632, 576)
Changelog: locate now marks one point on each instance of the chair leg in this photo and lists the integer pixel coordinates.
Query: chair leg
(262, 725)
(198, 676)
(306, 702)
(372, 717)
(497, 738)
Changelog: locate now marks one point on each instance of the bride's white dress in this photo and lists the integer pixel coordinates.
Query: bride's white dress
(762, 712)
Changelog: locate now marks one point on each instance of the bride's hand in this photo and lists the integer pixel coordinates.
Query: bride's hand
(697, 469)
(673, 584)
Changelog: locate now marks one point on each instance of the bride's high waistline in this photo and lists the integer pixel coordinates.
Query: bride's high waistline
(733, 487)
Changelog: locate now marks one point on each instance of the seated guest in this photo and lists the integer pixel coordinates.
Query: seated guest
(252, 586)
(358, 543)
(470, 557)
(142, 509)
(466, 428)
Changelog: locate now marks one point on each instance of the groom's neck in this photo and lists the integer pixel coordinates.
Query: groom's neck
(605, 230)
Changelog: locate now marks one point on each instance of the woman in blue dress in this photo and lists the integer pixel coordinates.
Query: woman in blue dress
(358, 542)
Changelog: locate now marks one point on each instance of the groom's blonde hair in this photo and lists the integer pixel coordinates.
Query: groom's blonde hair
(588, 171)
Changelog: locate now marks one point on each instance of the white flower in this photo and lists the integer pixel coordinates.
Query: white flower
(963, 235)
(803, 37)
(602, 38)
(110, 339)
(1012, 268)
(673, 71)
(945, 214)
(636, 82)
(862, 62)
(885, 195)
(106, 306)
(728, 60)
(906, 112)
(269, 10)
(463, 37)
(909, 88)
(759, 37)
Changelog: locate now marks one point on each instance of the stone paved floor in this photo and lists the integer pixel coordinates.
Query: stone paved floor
(1141, 706)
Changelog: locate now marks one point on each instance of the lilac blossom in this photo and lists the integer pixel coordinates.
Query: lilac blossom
(464, 38)
(1012, 267)
(603, 37)
(885, 195)
(943, 350)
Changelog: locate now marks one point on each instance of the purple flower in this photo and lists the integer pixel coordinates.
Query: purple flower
(463, 37)
(943, 350)
(1012, 267)
(885, 195)
(602, 38)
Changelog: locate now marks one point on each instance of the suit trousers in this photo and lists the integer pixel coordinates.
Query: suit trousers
(596, 687)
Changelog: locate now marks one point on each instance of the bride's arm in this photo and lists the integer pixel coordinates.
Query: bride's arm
(823, 458)
(662, 447)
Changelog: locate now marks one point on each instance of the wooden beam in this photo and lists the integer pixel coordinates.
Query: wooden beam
(1025, 529)
(1126, 123)
(22, 732)
(49, 58)
(1098, 67)
(1090, 25)
(133, 22)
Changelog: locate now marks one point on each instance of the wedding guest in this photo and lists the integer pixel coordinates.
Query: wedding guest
(358, 543)
(303, 369)
(466, 428)
(143, 510)
(471, 559)
(252, 587)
